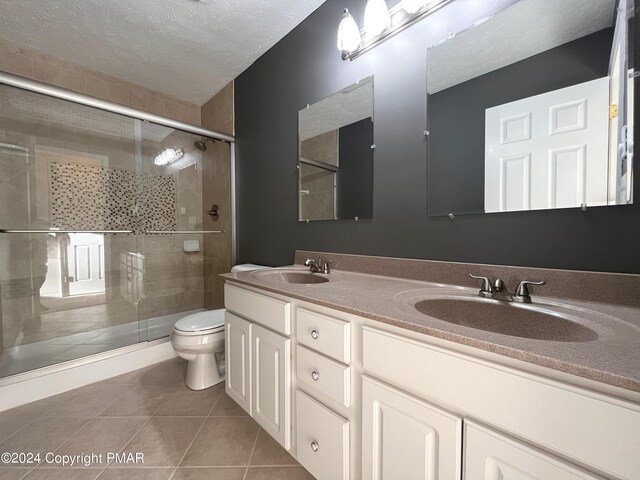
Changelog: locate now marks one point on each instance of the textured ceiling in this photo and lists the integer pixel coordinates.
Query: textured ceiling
(524, 29)
(184, 48)
(343, 108)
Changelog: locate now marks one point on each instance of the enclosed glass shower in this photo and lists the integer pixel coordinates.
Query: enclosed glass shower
(105, 234)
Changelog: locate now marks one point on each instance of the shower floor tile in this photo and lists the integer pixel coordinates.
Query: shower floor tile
(184, 434)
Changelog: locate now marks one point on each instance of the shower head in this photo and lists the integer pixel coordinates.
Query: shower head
(201, 144)
(15, 150)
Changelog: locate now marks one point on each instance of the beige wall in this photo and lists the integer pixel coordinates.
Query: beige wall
(217, 114)
(31, 64)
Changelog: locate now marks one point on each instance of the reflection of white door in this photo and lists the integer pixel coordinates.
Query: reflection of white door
(548, 151)
(85, 263)
(620, 173)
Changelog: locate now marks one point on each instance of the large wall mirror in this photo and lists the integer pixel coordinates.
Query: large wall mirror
(533, 109)
(335, 155)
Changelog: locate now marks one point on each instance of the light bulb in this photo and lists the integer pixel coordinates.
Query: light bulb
(376, 17)
(412, 6)
(348, 33)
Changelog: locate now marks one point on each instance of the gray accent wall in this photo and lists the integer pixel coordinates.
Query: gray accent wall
(305, 67)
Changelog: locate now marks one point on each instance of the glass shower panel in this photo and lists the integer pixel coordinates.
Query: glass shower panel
(69, 263)
(171, 241)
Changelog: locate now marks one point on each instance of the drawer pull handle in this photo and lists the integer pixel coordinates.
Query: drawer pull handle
(315, 446)
(315, 375)
(315, 334)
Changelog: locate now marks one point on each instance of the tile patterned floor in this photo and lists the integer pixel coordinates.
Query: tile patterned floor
(184, 435)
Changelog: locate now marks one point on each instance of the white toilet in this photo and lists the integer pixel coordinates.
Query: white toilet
(199, 339)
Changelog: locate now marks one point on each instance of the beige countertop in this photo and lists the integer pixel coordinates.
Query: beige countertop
(611, 357)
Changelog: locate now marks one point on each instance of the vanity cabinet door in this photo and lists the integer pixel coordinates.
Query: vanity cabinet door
(271, 383)
(489, 455)
(406, 438)
(238, 360)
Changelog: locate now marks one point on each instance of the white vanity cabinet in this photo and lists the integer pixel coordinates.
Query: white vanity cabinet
(358, 399)
(258, 357)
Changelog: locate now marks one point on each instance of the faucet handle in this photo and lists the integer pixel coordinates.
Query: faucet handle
(326, 267)
(486, 290)
(498, 285)
(522, 292)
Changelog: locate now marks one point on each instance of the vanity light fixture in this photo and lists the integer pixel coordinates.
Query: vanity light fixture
(376, 18)
(348, 33)
(381, 23)
(168, 156)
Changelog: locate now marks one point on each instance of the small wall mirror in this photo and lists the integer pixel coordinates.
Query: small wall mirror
(335, 155)
(533, 109)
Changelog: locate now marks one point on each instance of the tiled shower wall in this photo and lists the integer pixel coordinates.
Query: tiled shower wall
(218, 115)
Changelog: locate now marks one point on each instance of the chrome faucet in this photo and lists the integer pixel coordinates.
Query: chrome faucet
(522, 292)
(315, 267)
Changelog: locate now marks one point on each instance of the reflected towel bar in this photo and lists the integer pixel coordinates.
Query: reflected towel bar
(3, 230)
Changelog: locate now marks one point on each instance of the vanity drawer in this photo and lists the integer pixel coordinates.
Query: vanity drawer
(331, 378)
(324, 334)
(577, 423)
(322, 439)
(270, 312)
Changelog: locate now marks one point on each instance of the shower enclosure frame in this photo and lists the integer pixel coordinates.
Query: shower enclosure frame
(136, 114)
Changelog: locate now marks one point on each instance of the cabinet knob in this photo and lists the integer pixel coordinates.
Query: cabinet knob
(315, 334)
(315, 375)
(315, 446)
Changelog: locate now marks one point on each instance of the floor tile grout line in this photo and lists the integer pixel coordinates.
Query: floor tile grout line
(253, 450)
(215, 403)
(38, 417)
(149, 418)
(127, 443)
(188, 448)
(91, 419)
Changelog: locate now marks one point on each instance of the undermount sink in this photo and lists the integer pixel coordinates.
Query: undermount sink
(504, 317)
(291, 276)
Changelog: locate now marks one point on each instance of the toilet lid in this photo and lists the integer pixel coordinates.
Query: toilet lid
(198, 322)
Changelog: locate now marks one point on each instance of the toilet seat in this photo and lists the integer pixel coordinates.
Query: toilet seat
(202, 323)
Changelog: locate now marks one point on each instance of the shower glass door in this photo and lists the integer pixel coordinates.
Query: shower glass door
(101, 230)
(67, 203)
(170, 208)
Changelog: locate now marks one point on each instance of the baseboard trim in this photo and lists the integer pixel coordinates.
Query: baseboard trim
(46, 382)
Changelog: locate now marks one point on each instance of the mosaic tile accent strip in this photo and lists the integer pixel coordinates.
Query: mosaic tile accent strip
(158, 205)
(90, 197)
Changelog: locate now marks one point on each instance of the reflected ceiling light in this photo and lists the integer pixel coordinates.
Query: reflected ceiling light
(376, 17)
(381, 23)
(412, 6)
(348, 33)
(168, 156)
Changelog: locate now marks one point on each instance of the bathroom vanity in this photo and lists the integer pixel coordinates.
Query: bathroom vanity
(358, 375)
